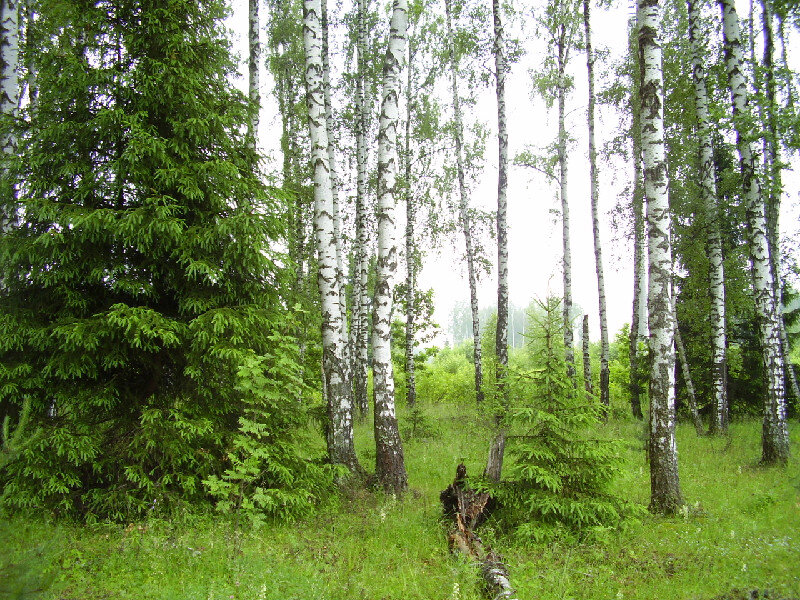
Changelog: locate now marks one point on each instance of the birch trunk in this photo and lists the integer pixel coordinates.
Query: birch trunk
(639, 316)
(9, 99)
(254, 59)
(389, 463)
(605, 398)
(562, 59)
(494, 464)
(664, 484)
(340, 407)
(587, 365)
(772, 166)
(361, 302)
(29, 11)
(789, 90)
(337, 221)
(463, 206)
(687, 376)
(9, 64)
(708, 195)
(775, 435)
(411, 254)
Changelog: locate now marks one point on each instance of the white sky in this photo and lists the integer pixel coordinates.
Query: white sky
(534, 233)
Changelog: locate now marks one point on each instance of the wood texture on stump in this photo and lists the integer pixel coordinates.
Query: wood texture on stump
(468, 508)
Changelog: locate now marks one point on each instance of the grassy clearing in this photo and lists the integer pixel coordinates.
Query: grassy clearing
(741, 530)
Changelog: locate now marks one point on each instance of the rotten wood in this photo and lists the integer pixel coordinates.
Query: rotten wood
(469, 508)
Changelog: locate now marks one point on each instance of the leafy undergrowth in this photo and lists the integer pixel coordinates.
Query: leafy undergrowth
(740, 532)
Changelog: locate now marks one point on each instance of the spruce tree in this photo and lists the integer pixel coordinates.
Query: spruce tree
(140, 279)
(559, 479)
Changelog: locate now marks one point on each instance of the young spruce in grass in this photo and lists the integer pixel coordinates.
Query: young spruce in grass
(558, 481)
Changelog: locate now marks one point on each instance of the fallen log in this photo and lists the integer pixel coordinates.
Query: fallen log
(468, 508)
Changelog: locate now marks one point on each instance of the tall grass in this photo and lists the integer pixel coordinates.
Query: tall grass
(741, 530)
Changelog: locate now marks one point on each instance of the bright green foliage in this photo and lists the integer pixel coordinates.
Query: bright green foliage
(489, 354)
(558, 482)
(620, 369)
(267, 475)
(448, 377)
(424, 328)
(141, 277)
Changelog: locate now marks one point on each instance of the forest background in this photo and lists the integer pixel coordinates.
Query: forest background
(168, 296)
(535, 228)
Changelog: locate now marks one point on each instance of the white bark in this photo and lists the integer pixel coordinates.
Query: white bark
(501, 341)
(494, 465)
(389, 463)
(563, 41)
(337, 227)
(639, 316)
(361, 301)
(664, 483)
(775, 435)
(708, 194)
(9, 61)
(463, 205)
(9, 93)
(605, 398)
(254, 60)
(340, 409)
(587, 365)
(773, 167)
(411, 252)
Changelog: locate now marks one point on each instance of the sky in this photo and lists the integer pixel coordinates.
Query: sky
(535, 243)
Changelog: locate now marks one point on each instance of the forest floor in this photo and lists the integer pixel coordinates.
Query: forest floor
(741, 533)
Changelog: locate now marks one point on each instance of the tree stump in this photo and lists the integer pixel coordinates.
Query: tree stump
(468, 509)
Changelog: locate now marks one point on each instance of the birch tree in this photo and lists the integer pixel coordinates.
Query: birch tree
(772, 170)
(565, 28)
(389, 461)
(560, 23)
(9, 66)
(9, 100)
(340, 406)
(664, 483)
(687, 375)
(638, 333)
(587, 364)
(494, 464)
(361, 257)
(253, 63)
(412, 256)
(775, 436)
(708, 194)
(335, 184)
(421, 144)
(605, 398)
(463, 205)
(286, 62)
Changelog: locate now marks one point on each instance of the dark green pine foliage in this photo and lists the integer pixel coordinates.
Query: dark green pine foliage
(141, 280)
(558, 482)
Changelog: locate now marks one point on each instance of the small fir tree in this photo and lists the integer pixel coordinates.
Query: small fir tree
(559, 476)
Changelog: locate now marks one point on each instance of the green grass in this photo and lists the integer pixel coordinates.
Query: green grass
(741, 531)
